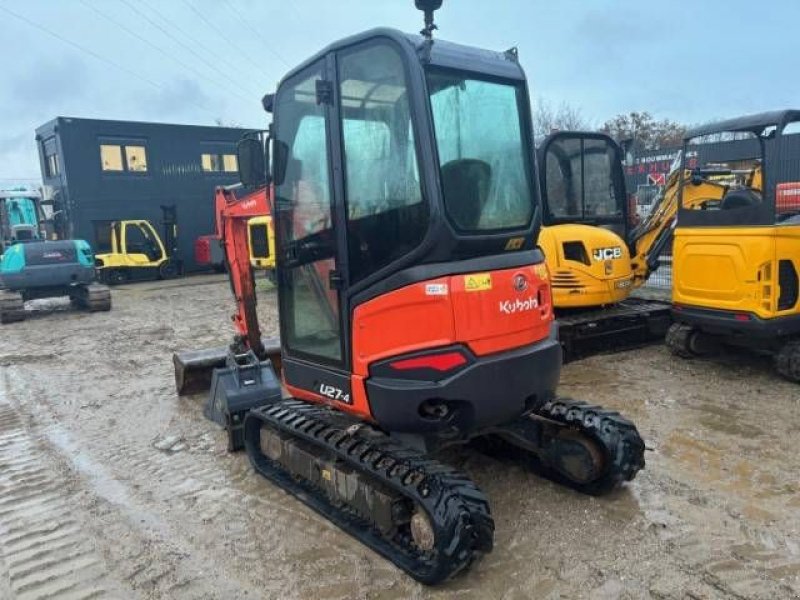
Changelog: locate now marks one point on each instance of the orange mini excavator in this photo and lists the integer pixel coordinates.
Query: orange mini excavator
(415, 306)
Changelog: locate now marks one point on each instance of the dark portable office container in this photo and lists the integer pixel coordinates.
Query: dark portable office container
(103, 171)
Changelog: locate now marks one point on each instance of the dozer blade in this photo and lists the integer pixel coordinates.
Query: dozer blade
(193, 368)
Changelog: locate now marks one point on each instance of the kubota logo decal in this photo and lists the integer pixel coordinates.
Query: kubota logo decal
(601, 254)
(509, 307)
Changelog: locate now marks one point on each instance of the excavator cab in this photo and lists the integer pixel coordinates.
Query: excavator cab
(406, 215)
(737, 251)
(585, 219)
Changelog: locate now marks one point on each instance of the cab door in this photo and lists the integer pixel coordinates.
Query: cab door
(310, 277)
(134, 244)
(582, 181)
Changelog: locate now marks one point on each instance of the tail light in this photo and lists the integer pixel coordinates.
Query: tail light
(427, 365)
(442, 363)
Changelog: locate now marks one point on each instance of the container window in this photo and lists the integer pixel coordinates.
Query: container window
(229, 163)
(111, 157)
(51, 165)
(136, 158)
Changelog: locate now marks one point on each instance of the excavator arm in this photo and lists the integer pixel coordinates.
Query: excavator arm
(194, 368)
(649, 239)
(232, 215)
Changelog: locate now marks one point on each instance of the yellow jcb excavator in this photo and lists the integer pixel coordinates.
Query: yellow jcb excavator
(595, 256)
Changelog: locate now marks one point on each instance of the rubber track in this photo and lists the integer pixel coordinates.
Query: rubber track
(12, 307)
(787, 361)
(677, 340)
(95, 297)
(622, 445)
(457, 509)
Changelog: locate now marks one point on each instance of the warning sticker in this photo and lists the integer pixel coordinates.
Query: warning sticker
(478, 282)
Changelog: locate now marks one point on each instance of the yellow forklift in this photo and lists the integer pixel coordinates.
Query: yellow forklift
(737, 255)
(139, 253)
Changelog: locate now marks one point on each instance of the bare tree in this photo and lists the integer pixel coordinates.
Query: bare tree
(548, 119)
(645, 130)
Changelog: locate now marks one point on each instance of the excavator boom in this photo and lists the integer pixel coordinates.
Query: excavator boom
(193, 369)
(652, 236)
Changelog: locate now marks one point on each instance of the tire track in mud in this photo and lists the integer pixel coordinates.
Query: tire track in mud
(202, 486)
(149, 554)
(45, 552)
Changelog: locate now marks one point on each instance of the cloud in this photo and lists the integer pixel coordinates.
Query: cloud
(46, 83)
(179, 97)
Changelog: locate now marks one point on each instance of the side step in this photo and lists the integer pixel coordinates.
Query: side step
(629, 323)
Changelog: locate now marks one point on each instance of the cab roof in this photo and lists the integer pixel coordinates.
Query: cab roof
(442, 54)
(755, 123)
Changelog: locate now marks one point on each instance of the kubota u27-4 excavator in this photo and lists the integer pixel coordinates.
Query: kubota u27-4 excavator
(415, 307)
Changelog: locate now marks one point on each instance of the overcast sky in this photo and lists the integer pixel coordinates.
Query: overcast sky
(194, 61)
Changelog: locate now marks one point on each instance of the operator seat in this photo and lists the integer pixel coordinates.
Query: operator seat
(739, 198)
(466, 189)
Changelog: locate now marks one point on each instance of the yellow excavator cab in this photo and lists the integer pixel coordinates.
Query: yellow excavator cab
(585, 219)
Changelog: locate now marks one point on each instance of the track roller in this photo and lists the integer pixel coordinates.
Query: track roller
(425, 517)
(12, 307)
(586, 447)
(787, 361)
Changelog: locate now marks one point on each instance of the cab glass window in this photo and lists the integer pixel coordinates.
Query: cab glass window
(484, 160)
(386, 215)
(582, 180)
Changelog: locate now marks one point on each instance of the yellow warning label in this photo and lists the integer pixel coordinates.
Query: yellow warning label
(326, 475)
(478, 282)
(541, 271)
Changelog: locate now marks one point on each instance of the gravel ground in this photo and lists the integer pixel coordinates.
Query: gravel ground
(111, 486)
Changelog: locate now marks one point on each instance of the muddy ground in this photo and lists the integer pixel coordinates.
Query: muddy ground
(111, 486)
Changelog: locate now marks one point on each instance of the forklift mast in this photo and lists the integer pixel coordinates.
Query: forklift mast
(169, 221)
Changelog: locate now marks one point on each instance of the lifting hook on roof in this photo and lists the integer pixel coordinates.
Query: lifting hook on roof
(428, 7)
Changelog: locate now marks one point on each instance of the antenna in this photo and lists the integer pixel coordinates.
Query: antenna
(428, 7)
